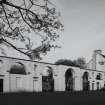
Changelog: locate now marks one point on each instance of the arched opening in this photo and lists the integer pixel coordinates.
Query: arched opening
(69, 82)
(48, 80)
(104, 83)
(99, 76)
(93, 85)
(98, 85)
(86, 83)
(1, 85)
(18, 68)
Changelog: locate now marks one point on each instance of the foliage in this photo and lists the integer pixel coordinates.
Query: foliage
(21, 17)
(80, 62)
(65, 62)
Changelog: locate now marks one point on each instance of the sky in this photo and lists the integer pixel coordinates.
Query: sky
(84, 29)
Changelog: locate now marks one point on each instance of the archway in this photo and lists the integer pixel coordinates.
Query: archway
(1, 85)
(69, 82)
(98, 85)
(48, 80)
(99, 76)
(86, 83)
(18, 68)
(93, 85)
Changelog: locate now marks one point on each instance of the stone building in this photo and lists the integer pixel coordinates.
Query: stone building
(32, 76)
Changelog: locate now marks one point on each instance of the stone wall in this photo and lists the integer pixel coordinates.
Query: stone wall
(35, 71)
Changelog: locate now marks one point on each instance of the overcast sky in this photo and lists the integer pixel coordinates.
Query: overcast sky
(84, 29)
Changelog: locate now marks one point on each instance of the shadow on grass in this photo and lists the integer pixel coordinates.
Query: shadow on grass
(54, 98)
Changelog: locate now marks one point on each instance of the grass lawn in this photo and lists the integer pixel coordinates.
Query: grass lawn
(53, 98)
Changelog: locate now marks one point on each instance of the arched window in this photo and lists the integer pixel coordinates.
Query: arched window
(104, 83)
(99, 76)
(47, 79)
(86, 82)
(69, 82)
(18, 68)
(93, 85)
(98, 85)
(1, 85)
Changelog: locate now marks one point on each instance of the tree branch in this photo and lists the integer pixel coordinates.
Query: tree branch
(17, 7)
(4, 40)
(28, 17)
(7, 18)
(25, 20)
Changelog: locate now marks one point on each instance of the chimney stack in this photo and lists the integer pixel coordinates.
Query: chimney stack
(95, 52)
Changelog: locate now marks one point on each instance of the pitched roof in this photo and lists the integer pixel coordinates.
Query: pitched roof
(103, 55)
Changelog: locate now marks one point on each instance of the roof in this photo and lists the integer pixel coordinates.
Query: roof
(26, 60)
(103, 55)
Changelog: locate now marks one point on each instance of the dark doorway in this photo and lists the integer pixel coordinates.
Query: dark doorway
(98, 85)
(47, 84)
(93, 86)
(48, 81)
(1, 85)
(86, 83)
(69, 80)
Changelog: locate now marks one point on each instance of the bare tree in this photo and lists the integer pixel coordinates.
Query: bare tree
(20, 16)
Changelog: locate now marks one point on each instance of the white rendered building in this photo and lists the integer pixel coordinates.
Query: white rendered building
(32, 76)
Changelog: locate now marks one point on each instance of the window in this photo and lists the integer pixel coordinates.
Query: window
(99, 76)
(35, 66)
(101, 63)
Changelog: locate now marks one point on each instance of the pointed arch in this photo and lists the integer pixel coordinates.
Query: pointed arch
(86, 83)
(69, 80)
(99, 76)
(98, 85)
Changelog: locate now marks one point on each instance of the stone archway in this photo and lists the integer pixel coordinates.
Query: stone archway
(98, 86)
(69, 81)
(48, 80)
(1, 85)
(93, 85)
(86, 83)
(18, 68)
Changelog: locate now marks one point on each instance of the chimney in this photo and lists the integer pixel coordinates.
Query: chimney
(95, 52)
